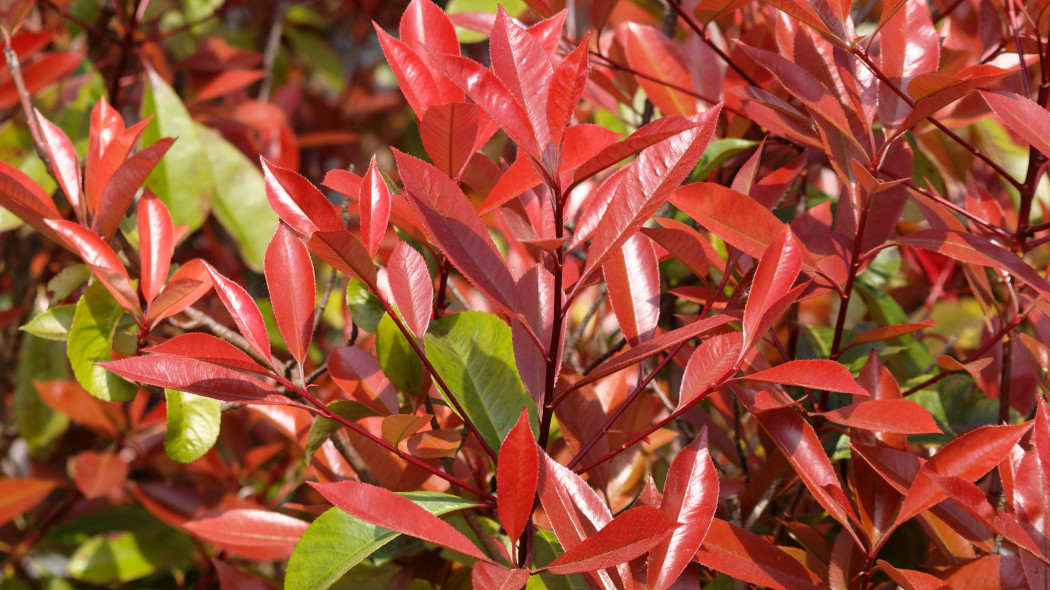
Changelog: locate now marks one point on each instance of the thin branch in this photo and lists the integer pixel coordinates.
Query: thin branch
(273, 43)
(15, 68)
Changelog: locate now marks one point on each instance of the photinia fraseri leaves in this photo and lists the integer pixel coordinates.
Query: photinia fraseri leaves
(64, 160)
(125, 182)
(193, 425)
(22, 196)
(91, 340)
(195, 376)
(909, 47)
(102, 259)
(373, 202)
(517, 476)
(345, 252)
(298, 202)
(1023, 116)
(411, 288)
(566, 89)
(293, 289)
(448, 132)
(497, 577)
(814, 374)
(627, 536)
(536, 292)
(185, 287)
(357, 372)
(156, 244)
(711, 363)
(18, 495)
(632, 276)
(896, 416)
(777, 270)
(244, 311)
(650, 52)
(261, 535)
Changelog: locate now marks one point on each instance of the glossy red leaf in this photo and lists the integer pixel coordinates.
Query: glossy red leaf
(497, 577)
(518, 178)
(885, 415)
(629, 535)
(912, 579)
(261, 535)
(293, 289)
(450, 218)
(684, 244)
(196, 376)
(22, 196)
(520, 62)
(517, 476)
(18, 495)
(1022, 116)
(448, 132)
(106, 127)
(909, 47)
(244, 311)
(425, 27)
(411, 287)
(778, 267)
(651, 177)
(690, 498)
(632, 276)
(40, 73)
(386, 509)
(421, 86)
(969, 457)
(98, 474)
(345, 252)
(736, 218)
(125, 182)
(650, 52)
(344, 182)
(567, 85)
(185, 287)
(64, 161)
(649, 135)
(744, 555)
(823, 375)
(888, 332)
(232, 578)
(352, 368)
(944, 90)
(398, 427)
(101, 258)
(373, 203)
(712, 362)
(156, 244)
(298, 202)
(536, 293)
(205, 347)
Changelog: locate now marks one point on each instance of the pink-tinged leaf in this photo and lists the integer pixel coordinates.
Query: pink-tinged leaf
(1031, 491)
(650, 52)
(656, 345)
(244, 311)
(520, 177)
(185, 287)
(897, 416)
(969, 457)
(448, 132)
(374, 204)
(18, 495)
(298, 202)
(988, 571)
(1022, 116)
(744, 555)
(912, 579)
(196, 376)
(936, 92)
(418, 83)
(102, 260)
(684, 244)
(98, 474)
(64, 161)
(909, 47)
(293, 289)
(736, 218)
(106, 126)
(520, 62)
(345, 252)
(411, 287)
(710, 364)
(632, 275)
(262, 535)
(22, 196)
(435, 444)
(344, 182)
(629, 535)
(354, 370)
(690, 498)
(398, 427)
(822, 375)
(156, 244)
(125, 182)
(517, 476)
(232, 578)
(888, 332)
(386, 509)
(450, 218)
(778, 267)
(205, 347)
(651, 177)
(497, 577)
(39, 73)
(567, 85)
(536, 293)
(425, 27)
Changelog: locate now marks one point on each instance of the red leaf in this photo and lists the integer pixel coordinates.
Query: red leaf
(345, 252)
(293, 289)
(98, 474)
(885, 415)
(520, 177)
(536, 291)
(627, 536)
(229, 81)
(448, 132)
(208, 348)
(185, 287)
(520, 62)
(497, 577)
(450, 218)
(425, 27)
(419, 84)
(684, 244)
(19, 495)
(744, 555)
(736, 218)
(64, 161)
(344, 182)
(298, 202)
(712, 362)
(1023, 116)
(398, 427)
(650, 52)
(244, 311)
(351, 367)
(261, 535)
(435, 444)
(566, 89)
(374, 204)
(824, 375)
(649, 135)
(912, 579)
(107, 127)
(156, 244)
(690, 498)
(232, 578)
(22, 196)
(196, 376)
(909, 47)
(386, 509)
(517, 476)
(411, 287)
(888, 332)
(945, 90)
(632, 275)
(777, 270)
(69, 398)
(101, 258)
(39, 74)
(651, 177)
(125, 182)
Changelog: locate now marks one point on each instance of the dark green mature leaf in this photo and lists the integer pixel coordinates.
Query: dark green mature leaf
(474, 354)
(193, 425)
(91, 341)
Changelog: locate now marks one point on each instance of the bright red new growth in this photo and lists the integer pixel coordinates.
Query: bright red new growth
(517, 475)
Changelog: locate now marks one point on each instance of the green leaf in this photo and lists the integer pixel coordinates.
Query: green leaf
(916, 359)
(183, 177)
(193, 425)
(364, 307)
(53, 324)
(240, 202)
(67, 280)
(37, 423)
(474, 354)
(320, 56)
(398, 361)
(90, 342)
(128, 555)
(546, 549)
(717, 153)
(322, 427)
(513, 8)
(336, 542)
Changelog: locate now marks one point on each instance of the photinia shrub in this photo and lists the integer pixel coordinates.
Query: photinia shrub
(631, 295)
